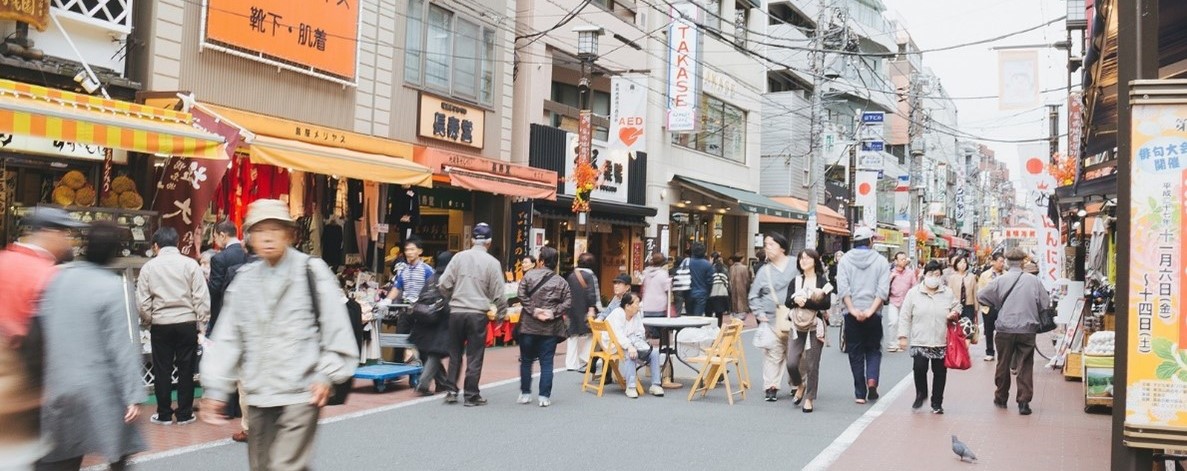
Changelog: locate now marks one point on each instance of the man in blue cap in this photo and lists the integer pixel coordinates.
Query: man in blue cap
(473, 282)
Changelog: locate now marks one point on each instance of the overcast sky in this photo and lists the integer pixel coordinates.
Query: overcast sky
(972, 71)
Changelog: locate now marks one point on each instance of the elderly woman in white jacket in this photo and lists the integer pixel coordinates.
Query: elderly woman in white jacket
(923, 325)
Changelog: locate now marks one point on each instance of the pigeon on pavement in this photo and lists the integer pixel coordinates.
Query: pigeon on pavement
(962, 450)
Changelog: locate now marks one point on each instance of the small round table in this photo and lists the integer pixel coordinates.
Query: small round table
(675, 325)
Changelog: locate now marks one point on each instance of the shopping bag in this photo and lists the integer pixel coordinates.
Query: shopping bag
(765, 338)
(957, 355)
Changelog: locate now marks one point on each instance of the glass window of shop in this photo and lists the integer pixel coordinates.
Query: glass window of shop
(722, 131)
(449, 53)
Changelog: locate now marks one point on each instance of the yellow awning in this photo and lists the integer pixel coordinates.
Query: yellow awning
(311, 133)
(30, 110)
(339, 162)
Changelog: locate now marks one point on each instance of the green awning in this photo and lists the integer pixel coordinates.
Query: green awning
(748, 201)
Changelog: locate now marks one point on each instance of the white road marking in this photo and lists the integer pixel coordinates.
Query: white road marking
(329, 420)
(845, 440)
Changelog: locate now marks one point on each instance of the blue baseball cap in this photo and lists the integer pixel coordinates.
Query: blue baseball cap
(481, 232)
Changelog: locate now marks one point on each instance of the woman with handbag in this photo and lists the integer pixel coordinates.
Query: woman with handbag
(767, 297)
(808, 299)
(430, 332)
(546, 297)
(963, 284)
(587, 302)
(923, 326)
(719, 291)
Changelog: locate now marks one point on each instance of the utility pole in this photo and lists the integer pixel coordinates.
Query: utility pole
(915, 153)
(815, 157)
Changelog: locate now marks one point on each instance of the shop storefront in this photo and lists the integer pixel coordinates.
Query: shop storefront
(72, 150)
(833, 228)
(719, 216)
(617, 217)
(337, 182)
(464, 181)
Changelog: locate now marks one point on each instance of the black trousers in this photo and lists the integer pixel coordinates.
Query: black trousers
(467, 332)
(990, 320)
(938, 371)
(174, 345)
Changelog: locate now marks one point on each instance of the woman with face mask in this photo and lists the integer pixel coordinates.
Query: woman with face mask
(923, 325)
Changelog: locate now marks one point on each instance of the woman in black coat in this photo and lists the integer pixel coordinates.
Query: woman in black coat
(583, 286)
(431, 336)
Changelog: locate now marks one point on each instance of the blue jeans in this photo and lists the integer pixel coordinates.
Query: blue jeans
(531, 348)
(628, 367)
(695, 306)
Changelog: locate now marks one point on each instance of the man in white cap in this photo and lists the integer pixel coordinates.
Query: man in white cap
(472, 283)
(263, 343)
(863, 285)
(26, 267)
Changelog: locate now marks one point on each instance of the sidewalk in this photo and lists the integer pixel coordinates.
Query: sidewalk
(1059, 435)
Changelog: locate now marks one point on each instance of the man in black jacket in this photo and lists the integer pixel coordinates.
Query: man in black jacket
(231, 255)
(223, 265)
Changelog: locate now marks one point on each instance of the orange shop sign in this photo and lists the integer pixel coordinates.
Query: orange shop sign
(34, 12)
(318, 37)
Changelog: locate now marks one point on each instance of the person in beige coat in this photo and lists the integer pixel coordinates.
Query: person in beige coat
(963, 284)
(923, 327)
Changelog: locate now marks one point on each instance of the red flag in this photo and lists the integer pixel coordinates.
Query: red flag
(188, 186)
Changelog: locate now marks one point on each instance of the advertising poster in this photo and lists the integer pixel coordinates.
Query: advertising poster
(1157, 364)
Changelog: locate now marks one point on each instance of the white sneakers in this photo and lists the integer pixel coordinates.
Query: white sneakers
(632, 392)
(989, 358)
(524, 398)
(545, 402)
(656, 390)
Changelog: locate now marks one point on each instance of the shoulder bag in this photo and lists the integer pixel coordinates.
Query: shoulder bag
(782, 312)
(340, 391)
(803, 319)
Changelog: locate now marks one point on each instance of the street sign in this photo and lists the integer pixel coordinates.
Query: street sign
(873, 117)
(871, 125)
(870, 156)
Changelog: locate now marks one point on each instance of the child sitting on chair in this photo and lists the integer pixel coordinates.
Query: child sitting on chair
(627, 324)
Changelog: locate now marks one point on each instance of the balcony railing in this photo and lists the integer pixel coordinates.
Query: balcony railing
(114, 15)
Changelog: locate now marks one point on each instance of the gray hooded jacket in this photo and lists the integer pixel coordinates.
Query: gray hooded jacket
(863, 275)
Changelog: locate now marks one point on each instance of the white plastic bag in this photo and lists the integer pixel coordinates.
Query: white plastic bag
(764, 337)
(693, 341)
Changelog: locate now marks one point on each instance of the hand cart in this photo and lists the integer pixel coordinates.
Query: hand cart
(383, 372)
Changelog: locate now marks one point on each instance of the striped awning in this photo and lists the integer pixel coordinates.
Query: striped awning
(31, 110)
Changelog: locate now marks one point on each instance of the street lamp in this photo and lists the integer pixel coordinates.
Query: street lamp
(584, 174)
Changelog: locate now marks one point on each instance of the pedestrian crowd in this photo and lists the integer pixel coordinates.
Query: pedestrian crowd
(277, 342)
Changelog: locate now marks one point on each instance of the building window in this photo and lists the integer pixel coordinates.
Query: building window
(741, 24)
(722, 131)
(115, 15)
(570, 95)
(449, 53)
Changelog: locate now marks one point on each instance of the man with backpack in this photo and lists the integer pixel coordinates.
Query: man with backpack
(284, 338)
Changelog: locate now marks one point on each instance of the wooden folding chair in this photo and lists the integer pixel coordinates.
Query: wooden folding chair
(610, 358)
(743, 369)
(716, 361)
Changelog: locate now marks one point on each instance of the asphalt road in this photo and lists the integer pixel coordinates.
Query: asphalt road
(582, 431)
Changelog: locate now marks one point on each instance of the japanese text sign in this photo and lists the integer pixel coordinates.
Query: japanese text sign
(451, 122)
(683, 67)
(319, 35)
(612, 166)
(1157, 364)
(34, 12)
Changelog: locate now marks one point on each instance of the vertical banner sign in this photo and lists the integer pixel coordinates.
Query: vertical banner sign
(521, 232)
(1157, 362)
(584, 172)
(636, 257)
(105, 185)
(962, 212)
(867, 197)
(902, 202)
(683, 69)
(1018, 79)
(187, 186)
(1075, 128)
(1039, 185)
(628, 113)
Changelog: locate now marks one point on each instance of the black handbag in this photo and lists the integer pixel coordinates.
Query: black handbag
(1047, 320)
(340, 391)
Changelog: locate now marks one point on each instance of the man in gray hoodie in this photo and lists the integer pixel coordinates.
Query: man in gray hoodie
(863, 285)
